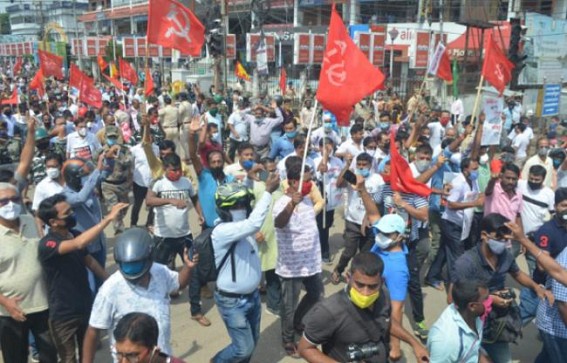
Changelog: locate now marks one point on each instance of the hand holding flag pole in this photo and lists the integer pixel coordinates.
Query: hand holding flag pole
(307, 141)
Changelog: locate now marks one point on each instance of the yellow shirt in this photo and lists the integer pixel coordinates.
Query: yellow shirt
(156, 166)
(314, 195)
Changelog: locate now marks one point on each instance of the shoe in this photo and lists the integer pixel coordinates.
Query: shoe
(336, 277)
(175, 294)
(437, 285)
(420, 330)
(201, 319)
(291, 350)
(273, 312)
(206, 293)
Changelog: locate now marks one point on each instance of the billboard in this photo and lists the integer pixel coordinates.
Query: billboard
(372, 44)
(420, 50)
(308, 48)
(251, 44)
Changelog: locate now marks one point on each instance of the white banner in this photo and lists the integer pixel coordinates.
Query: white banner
(262, 56)
(492, 129)
(436, 60)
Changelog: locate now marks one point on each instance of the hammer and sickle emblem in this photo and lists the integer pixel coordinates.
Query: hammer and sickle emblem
(336, 74)
(498, 72)
(178, 27)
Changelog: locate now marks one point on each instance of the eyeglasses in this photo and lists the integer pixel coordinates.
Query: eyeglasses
(5, 201)
(133, 357)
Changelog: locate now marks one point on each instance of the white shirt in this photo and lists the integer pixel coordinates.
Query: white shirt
(529, 131)
(170, 221)
(437, 133)
(46, 188)
(333, 195)
(520, 144)
(118, 297)
(320, 133)
(282, 169)
(241, 124)
(142, 173)
(85, 148)
(457, 107)
(461, 192)
(533, 215)
(355, 211)
(349, 147)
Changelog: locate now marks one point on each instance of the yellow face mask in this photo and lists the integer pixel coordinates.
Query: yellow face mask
(362, 301)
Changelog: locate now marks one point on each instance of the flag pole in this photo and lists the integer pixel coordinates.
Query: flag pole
(324, 179)
(307, 142)
(477, 99)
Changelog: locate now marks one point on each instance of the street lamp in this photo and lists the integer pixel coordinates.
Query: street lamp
(393, 35)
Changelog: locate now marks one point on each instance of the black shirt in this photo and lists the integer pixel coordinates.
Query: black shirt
(550, 237)
(68, 292)
(332, 324)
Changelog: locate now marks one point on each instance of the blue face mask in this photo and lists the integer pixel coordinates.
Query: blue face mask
(328, 125)
(497, 247)
(384, 125)
(291, 134)
(111, 142)
(247, 164)
(473, 175)
(365, 173)
(556, 163)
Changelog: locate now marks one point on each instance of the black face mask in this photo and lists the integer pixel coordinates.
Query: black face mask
(8, 113)
(217, 173)
(42, 145)
(562, 216)
(70, 221)
(535, 186)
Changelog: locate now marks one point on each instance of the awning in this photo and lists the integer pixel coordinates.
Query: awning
(501, 35)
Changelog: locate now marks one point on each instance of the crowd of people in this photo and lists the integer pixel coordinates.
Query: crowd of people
(266, 181)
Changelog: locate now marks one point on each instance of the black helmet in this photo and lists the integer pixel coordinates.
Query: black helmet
(133, 253)
(74, 170)
(232, 195)
(279, 100)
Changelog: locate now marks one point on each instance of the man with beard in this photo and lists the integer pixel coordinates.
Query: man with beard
(209, 180)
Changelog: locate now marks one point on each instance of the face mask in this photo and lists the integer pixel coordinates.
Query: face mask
(421, 165)
(487, 308)
(542, 151)
(70, 221)
(365, 173)
(383, 241)
(10, 211)
(42, 145)
(111, 142)
(384, 125)
(173, 175)
(362, 301)
(8, 113)
(497, 247)
(215, 136)
(473, 175)
(82, 132)
(213, 112)
(507, 158)
(238, 215)
(89, 124)
(370, 152)
(217, 173)
(444, 120)
(247, 164)
(562, 216)
(535, 186)
(52, 173)
(484, 159)
(328, 126)
(557, 163)
(306, 188)
(291, 134)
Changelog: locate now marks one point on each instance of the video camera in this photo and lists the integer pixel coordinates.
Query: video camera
(357, 352)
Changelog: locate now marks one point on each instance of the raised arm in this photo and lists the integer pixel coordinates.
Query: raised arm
(27, 151)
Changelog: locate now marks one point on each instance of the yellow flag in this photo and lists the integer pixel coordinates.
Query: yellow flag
(240, 72)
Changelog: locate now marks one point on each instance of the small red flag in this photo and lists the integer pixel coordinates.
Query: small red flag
(401, 177)
(102, 64)
(75, 76)
(116, 83)
(497, 69)
(445, 72)
(37, 83)
(13, 100)
(51, 64)
(127, 72)
(18, 66)
(172, 25)
(346, 74)
(149, 83)
(89, 94)
(283, 79)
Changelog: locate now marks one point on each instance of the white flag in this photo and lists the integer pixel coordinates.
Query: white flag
(262, 56)
(436, 59)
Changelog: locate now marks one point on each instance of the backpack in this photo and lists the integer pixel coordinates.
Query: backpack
(207, 269)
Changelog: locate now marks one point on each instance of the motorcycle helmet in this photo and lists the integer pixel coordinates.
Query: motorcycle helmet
(133, 253)
(74, 170)
(231, 195)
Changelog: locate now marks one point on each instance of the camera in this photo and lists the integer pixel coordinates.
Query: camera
(357, 352)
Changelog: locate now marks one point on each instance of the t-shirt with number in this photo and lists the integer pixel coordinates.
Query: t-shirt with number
(82, 147)
(68, 291)
(170, 221)
(355, 211)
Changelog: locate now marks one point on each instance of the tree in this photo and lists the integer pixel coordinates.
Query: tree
(4, 23)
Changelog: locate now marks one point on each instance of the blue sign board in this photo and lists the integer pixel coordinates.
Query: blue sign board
(363, 28)
(551, 99)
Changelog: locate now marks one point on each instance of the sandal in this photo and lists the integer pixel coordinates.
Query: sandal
(291, 350)
(336, 277)
(201, 319)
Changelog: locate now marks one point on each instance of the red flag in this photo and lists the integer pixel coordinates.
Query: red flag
(51, 64)
(401, 177)
(75, 76)
(283, 79)
(17, 66)
(346, 74)
(116, 83)
(149, 83)
(127, 72)
(89, 94)
(102, 64)
(445, 72)
(13, 100)
(497, 69)
(240, 72)
(172, 25)
(37, 83)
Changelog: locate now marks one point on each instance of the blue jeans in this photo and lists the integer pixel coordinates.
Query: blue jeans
(241, 317)
(554, 349)
(528, 305)
(498, 352)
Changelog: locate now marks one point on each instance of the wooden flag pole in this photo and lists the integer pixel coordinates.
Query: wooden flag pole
(324, 180)
(307, 142)
(477, 99)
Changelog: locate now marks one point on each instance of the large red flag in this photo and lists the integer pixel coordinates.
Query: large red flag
(75, 76)
(346, 74)
(37, 83)
(172, 25)
(89, 94)
(149, 83)
(401, 177)
(17, 66)
(127, 72)
(116, 83)
(13, 100)
(497, 69)
(51, 64)
(283, 79)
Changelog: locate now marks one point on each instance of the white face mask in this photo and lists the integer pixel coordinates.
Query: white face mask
(82, 131)
(371, 152)
(238, 215)
(484, 159)
(383, 241)
(52, 173)
(10, 211)
(422, 165)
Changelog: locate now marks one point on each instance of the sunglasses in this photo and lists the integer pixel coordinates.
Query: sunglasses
(5, 201)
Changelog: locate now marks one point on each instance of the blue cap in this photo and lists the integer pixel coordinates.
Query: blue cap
(391, 223)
